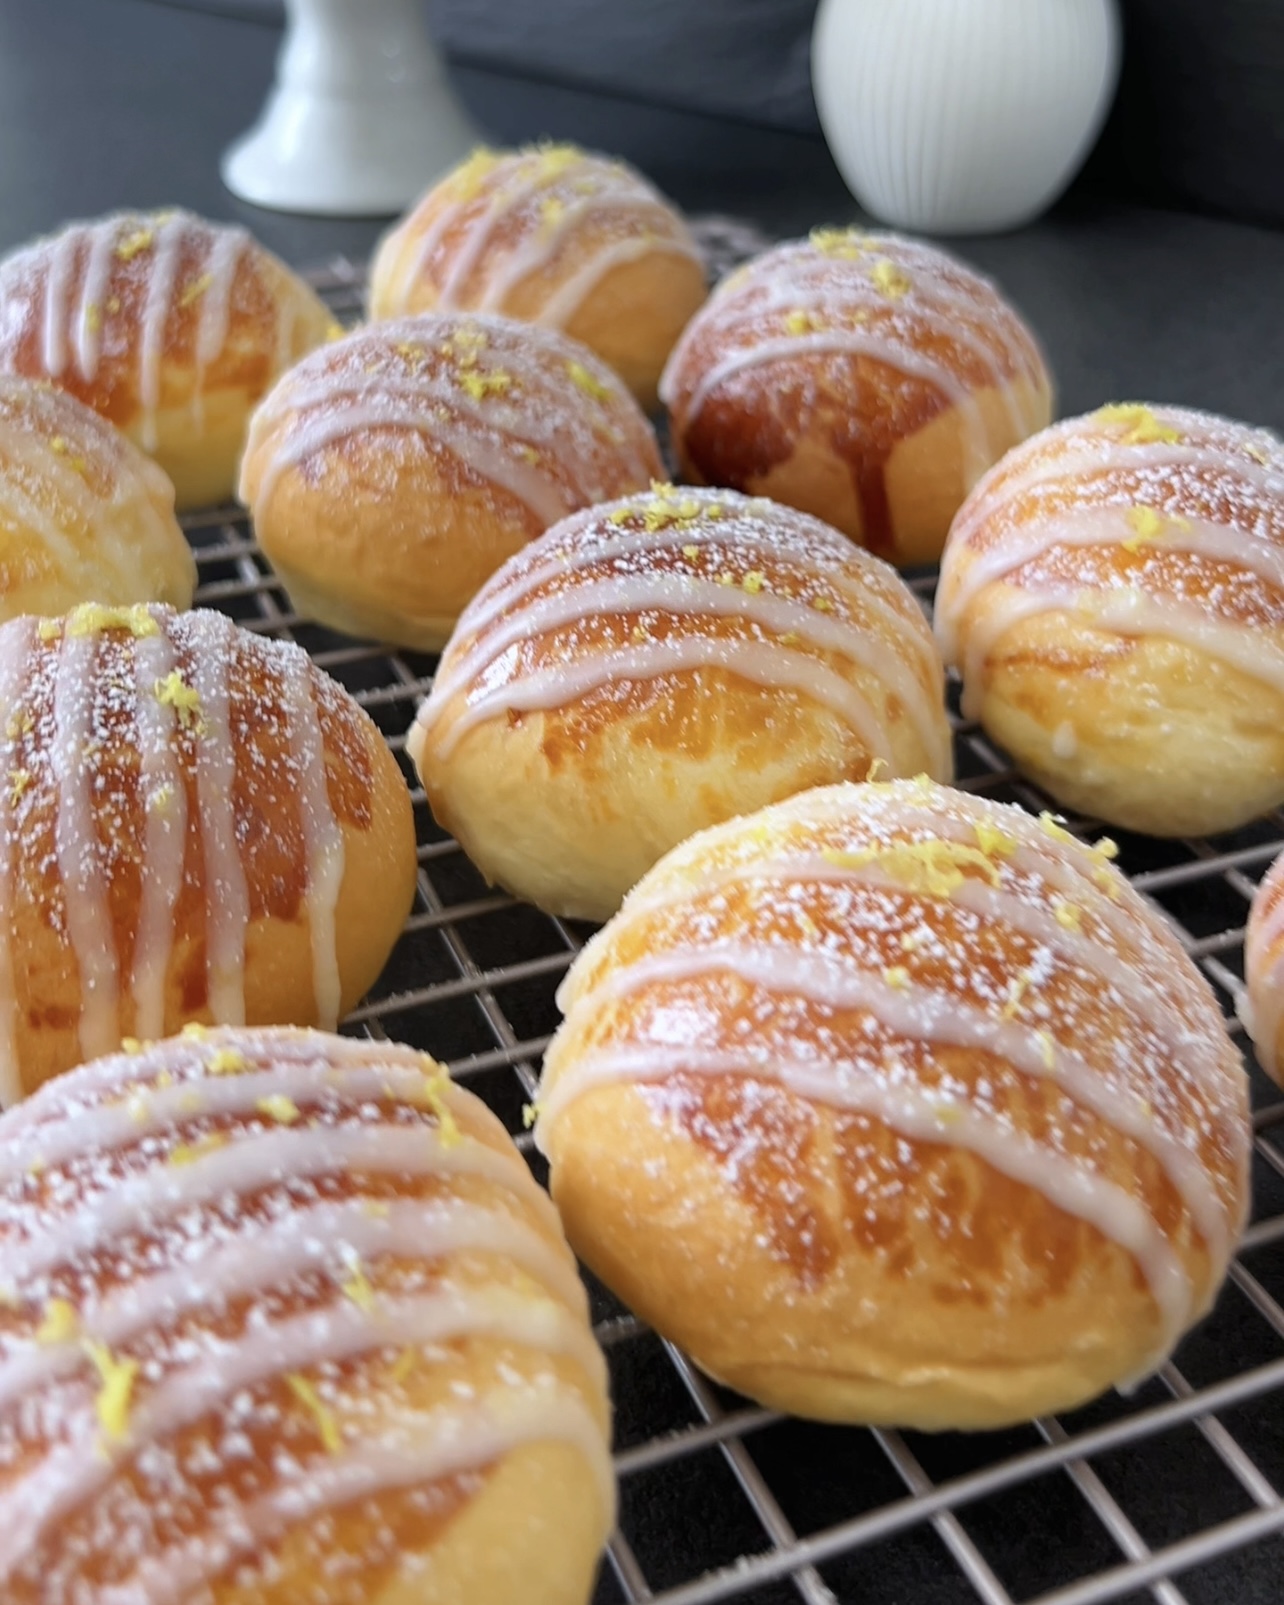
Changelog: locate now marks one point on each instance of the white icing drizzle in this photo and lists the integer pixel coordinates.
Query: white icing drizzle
(93, 294)
(569, 297)
(227, 902)
(774, 667)
(323, 838)
(689, 596)
(367, 382)
(1129, 612)
(158, 1194)
(15, 648)
(226, 249)
(85, 903)
(73, 1472)
(461, 1439)
(584, 188)
(323, 1237)
(208, 1372)
(61, 266)
(160, 290)
(939, 294)
(924, 1015)
(1107, 967)
(164, 839)
(1061, 1180)
(486, 447)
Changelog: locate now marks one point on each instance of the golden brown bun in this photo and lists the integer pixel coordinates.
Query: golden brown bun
(1264, 970)
(390, 474)
(307, 1330)
(1113, 594)
(865, 378)
(895, 1105)
(554, 236)
(170, 327)
(654, 666)
(84, 516)
(201, 826)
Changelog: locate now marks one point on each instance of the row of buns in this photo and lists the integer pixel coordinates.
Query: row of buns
(889, 1103)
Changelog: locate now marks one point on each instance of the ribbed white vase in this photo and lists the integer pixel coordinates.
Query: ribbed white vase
(962, 116)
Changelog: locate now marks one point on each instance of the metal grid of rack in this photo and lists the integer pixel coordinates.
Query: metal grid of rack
(1172, 1495)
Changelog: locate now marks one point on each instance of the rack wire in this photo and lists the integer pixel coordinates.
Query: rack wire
(1172, 1495)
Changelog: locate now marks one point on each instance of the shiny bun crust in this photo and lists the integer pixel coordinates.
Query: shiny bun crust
(1113, 594)
(865, 378)
(286, 1318)
(1264, 970)
(195, 824)
(169, 326)
(550, 235)
(390, 474)
(84, 516)
(894, 1105)
(654, 666)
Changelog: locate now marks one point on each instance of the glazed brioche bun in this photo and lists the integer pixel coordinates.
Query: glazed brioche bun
(201, 826)
(169, 326)
(894, 1105)
(550, 235)
(84, 516)
(287, 1318)
(1113, 595)
(865, 378)
(391, 473)
(655, 665)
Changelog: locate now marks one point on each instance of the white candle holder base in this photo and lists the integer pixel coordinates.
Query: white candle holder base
(361, 118)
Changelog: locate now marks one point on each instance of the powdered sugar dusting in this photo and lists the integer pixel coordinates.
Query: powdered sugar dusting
(955, 970)
(292, 1301)
(134, 748)
(1183, 508)
(684, 580)
(510, 405)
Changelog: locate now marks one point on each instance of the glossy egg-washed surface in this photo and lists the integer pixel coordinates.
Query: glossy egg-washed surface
(137, 312)
(862, 339)
(528, 232)
(522, 413)
(83, 514)
(167, 779)
(276, 1305)
(957, 984)
(1132, 518)
(618, 611)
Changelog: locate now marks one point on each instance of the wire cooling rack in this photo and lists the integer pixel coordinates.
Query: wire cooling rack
(1171, 1495)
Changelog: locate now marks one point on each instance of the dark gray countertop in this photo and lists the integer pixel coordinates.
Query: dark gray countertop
(107, 103)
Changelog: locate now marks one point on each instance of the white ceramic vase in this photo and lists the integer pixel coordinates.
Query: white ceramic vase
(962, 116)
(360, 119)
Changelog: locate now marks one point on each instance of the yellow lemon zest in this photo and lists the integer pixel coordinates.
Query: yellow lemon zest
(194, 1031)
(530, 1114)
(840, 242)
(57, 1324)
(196, 289)
(91, 617)
(117, 1379)
(754, 581)
(1047, 1047)
(322, 1416)
(174, 692)
(227, 1062)
(1016, 992)
(481, 385)
(1068, 916)
(691, 551)
(822, 604)
(160, 800)
(187, 1153)
(993, 841)
(279, 1108)
(897, 977)
(132, 244)
(588, 382)
(1147, 524)
(431, 1095)
(890, 280)
(19, 780)
(403, 1365)
(1141, 427)
(799, 322)
(1052, 826)
(934, 868)
(356, 1287)
(470, 175)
